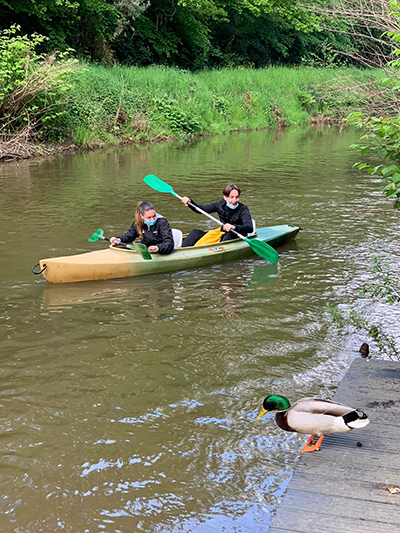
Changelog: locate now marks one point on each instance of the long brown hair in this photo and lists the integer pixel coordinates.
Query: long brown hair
(141, 209)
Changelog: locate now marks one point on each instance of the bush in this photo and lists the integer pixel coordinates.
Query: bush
(33, 88)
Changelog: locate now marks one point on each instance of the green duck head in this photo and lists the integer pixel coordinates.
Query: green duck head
(274, 402)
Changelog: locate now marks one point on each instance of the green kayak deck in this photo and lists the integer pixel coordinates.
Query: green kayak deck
(113, 263)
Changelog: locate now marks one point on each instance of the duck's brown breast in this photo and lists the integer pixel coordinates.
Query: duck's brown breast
(281, 420)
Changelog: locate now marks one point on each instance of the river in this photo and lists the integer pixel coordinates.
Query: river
(131, 405)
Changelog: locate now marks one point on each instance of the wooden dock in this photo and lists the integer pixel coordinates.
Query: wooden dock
(353, 483)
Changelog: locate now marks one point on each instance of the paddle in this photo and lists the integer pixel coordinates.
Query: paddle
(261, 248)
(137, 246)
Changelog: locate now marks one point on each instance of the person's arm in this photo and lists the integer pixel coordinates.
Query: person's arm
(167, 245)
(247, 224)
(208, 208)
(130, 235)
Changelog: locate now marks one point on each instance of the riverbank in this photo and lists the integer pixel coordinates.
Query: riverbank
(106, 106)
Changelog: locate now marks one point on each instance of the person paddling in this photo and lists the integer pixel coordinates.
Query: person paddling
(234, 214)
(153, 230)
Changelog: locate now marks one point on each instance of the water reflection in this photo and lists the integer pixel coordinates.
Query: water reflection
(149, 296)
(155, 303)
(230, 305)
(264, 275)
(56, 297)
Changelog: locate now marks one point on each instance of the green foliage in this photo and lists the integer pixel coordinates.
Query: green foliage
(381, 137)
(128, 12)
(384, 288)
(148, 44)
(326, 55)
(17, 53)
(307, 100)
(167, 111)
(190, 34)
(87, 26)
(201, 33)
(33, 87)
(226, 10)
(131, 103)
(105, 105)
(220, 104)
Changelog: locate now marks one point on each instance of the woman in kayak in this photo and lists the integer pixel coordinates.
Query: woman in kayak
(231, 212)
(153, 230)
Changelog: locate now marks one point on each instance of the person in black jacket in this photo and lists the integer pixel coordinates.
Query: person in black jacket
(153, 230)
(234, 214)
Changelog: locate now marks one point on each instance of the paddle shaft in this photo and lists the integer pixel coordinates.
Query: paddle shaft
(210, 216)
(261, 248)
(121, 243)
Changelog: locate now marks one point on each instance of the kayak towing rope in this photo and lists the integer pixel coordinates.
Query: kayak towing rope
(40, 271)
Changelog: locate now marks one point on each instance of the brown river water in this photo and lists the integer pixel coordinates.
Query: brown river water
(131, 405)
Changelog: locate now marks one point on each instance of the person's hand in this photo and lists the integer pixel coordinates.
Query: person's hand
(115, 240)
(153, 249)
(228, 227)
(185, 200)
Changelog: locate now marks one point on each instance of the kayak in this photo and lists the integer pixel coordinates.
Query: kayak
(114, 263)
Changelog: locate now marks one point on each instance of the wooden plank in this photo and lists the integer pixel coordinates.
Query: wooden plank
(348, 460)
(306, 522)
(352, 506)
(329, 485)
(275, 530)
(386, 432)
(372, 368)
(342, 465)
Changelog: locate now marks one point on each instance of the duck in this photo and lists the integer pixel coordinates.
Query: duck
(313, 416)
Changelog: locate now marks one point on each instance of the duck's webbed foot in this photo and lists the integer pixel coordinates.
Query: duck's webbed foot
(313, 444)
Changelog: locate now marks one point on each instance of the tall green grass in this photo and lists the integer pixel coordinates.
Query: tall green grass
(126, 104)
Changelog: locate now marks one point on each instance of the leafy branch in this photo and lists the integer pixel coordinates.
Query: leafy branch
(384, 287)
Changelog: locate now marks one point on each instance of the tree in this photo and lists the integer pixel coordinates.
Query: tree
(366, 22)
(382, 132)
(207, 33)
(128, 12)
(87, 26)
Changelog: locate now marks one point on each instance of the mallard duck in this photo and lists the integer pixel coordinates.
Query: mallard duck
(313, 416)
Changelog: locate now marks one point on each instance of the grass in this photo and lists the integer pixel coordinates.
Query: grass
(131, 104)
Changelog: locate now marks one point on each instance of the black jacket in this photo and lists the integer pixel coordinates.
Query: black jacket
(239, 217)
(160, 235)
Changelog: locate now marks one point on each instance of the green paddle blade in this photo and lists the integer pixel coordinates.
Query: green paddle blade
(264, 250)
(98, 234)
(142, 250)
(158, 185)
